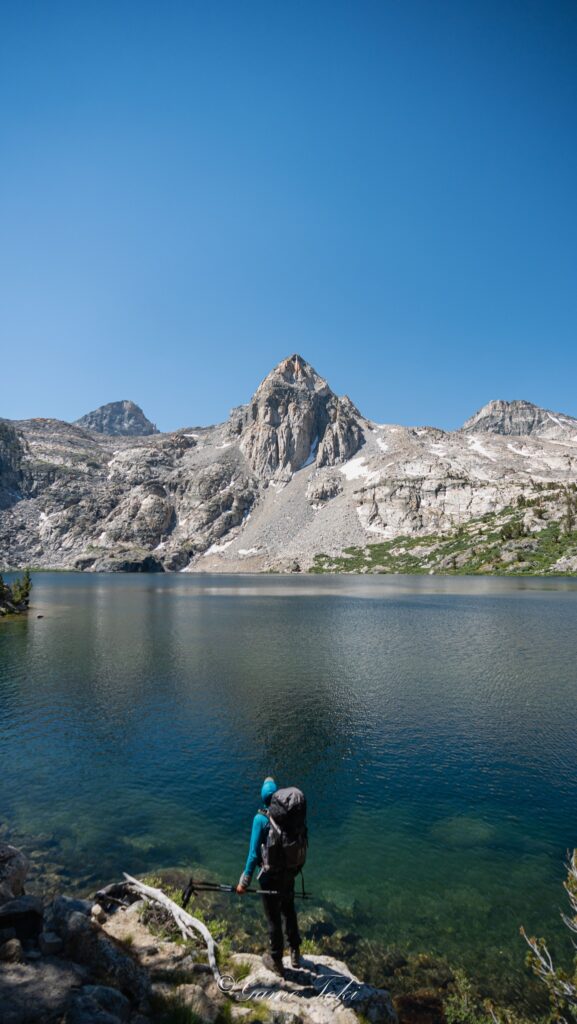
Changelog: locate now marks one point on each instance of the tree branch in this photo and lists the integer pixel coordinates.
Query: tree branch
(185, 922)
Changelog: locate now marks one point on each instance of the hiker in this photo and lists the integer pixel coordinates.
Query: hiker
(278, 845)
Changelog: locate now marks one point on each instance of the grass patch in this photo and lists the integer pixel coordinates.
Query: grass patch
(240, 970)
(173, 1010)
(258, 1012)
(498, 543)
(311, 947)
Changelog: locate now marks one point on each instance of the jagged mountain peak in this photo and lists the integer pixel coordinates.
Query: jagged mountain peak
(294, 419)
(294, 371)
(520, 418)
(124, 418)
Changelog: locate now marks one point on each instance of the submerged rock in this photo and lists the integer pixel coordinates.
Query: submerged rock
(14, 867)
(421, 1007)
(462, 832)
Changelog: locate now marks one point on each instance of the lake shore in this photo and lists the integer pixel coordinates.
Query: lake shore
(78, 957)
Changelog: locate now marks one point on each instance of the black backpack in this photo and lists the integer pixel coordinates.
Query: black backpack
(287, 838)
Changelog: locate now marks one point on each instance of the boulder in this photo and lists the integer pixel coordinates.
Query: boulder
(65, 905)
(98, 1004)
(50, 943)
(24, 916)
(59, 912)
(11, 951)
(322, 488)
(36, 992)
(199, 1003)
(98, 914)
(86, 943)
(85, 1011)
(13, 871)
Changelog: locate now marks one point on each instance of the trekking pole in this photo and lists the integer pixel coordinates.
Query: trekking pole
(273, 892)
(197, 886)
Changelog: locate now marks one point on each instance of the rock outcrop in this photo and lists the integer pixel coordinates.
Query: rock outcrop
(322, 991)
(118, 419)
(520, 418)
(294, 473)
(12, 475)
(293, 420)
(53, 959)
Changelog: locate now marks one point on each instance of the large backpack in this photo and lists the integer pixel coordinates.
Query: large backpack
(287, 838)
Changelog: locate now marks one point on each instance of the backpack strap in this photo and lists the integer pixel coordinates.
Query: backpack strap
(274, 824)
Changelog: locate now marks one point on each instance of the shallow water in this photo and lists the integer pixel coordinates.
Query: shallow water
(431, 722)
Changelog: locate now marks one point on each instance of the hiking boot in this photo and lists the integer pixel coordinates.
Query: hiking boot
(295, 958)
(272, 964)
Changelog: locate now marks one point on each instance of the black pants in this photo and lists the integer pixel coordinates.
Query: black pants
(280, 907)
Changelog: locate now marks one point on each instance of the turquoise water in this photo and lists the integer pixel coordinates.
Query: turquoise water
(431, 722)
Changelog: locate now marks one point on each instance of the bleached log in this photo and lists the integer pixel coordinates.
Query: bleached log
(185, 921)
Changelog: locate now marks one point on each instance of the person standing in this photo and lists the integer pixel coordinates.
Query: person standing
(278, 845)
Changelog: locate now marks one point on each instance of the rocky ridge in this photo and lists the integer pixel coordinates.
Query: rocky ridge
(520, 418)
(118, 419)
(294, 473)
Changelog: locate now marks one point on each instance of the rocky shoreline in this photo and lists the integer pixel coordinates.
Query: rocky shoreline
(78, 961)
(71, 960)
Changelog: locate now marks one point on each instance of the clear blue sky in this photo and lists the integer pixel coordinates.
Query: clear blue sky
(191, 191)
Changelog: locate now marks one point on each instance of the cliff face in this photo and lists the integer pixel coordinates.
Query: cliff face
(295, 472)
(119, 419)
(294, 419)
(13, 483)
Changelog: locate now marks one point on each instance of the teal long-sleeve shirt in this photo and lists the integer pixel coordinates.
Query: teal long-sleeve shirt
(260, 827)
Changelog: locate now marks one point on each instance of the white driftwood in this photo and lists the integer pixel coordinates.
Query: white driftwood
(186, 923)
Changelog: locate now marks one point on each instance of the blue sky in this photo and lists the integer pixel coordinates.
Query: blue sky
(191, 191)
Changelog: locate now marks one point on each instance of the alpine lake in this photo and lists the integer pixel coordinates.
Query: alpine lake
(431, 722)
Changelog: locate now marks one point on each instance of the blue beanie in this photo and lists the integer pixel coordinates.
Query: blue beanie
(269, 787)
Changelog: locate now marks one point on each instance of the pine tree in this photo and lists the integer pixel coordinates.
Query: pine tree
(21, 590)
